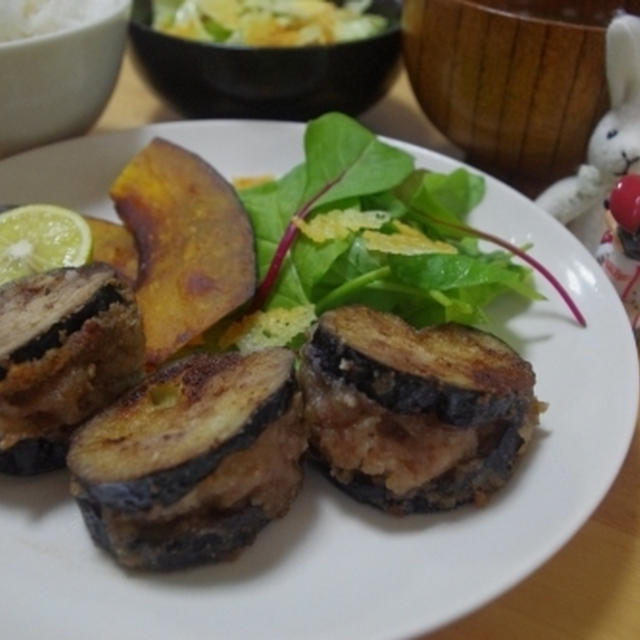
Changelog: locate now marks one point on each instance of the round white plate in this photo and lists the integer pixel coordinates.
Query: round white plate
(332, 568)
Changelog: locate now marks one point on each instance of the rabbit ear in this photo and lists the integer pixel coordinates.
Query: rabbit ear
(623, 59)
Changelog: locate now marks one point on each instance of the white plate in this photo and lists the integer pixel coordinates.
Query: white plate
(331, 568)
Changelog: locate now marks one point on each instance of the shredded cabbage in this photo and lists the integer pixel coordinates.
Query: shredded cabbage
(278, 23)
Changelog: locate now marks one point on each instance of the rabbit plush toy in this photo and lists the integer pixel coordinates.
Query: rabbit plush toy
(614, 146)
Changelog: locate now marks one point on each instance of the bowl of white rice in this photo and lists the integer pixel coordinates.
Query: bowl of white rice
(59, 61)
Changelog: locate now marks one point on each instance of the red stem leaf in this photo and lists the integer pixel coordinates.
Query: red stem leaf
(523, 255)
(289, 235)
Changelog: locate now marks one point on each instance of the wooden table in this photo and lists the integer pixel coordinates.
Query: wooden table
(591, 589)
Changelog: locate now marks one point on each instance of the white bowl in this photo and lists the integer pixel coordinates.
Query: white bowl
(55, 86)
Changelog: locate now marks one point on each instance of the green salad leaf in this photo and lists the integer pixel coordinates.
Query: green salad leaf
(421, 261)
(343, 161)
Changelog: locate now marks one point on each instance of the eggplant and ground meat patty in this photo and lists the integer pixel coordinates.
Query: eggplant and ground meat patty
(71, 341)
(190, 465)
(414, 421)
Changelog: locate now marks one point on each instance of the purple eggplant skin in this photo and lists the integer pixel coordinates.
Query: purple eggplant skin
(239, 457)
(167, 486)
(32, 456)
(51, 339)
(170, 547)
(171, 477)
(72, 341)
(408, 393)
(471, 482)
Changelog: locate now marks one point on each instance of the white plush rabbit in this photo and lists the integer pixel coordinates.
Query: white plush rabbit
(614, 146)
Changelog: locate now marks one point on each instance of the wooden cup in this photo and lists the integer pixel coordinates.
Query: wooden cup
(518, 85)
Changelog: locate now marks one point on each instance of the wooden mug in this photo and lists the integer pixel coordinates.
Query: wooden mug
(518, 85)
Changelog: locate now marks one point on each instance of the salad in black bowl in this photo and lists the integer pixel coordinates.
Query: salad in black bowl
(273, 59)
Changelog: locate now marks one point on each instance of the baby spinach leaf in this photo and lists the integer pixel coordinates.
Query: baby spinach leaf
(448, 198)
(458, 192)
(313, 260)
(347, 167)
(343, 160)
(442, 272)
(269, 206)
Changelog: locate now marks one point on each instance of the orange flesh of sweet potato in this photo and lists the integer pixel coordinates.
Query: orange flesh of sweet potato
(114, 244)
(196, 260)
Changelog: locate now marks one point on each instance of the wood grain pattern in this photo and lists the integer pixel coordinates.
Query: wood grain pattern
(589, 591)
(519, 96)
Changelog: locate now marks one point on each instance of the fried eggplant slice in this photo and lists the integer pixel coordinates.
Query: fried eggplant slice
(71, 341)
(468, 377)
(401, 461)
(157, 441)
(34, 454)
(473, 480)
(266, 474)
(221, 515)
(178, 544)
(240, 416)
(196, 259)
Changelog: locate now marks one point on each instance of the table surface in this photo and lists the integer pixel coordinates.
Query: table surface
(591, 588)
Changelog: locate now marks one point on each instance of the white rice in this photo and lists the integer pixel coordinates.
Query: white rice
(27, 18)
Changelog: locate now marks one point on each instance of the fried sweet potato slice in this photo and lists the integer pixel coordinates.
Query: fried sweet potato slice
(196, 260)
(114, 244)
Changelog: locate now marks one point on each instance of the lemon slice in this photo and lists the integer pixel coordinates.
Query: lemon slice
(40, 237)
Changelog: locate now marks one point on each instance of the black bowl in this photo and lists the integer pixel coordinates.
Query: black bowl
(203, 80)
